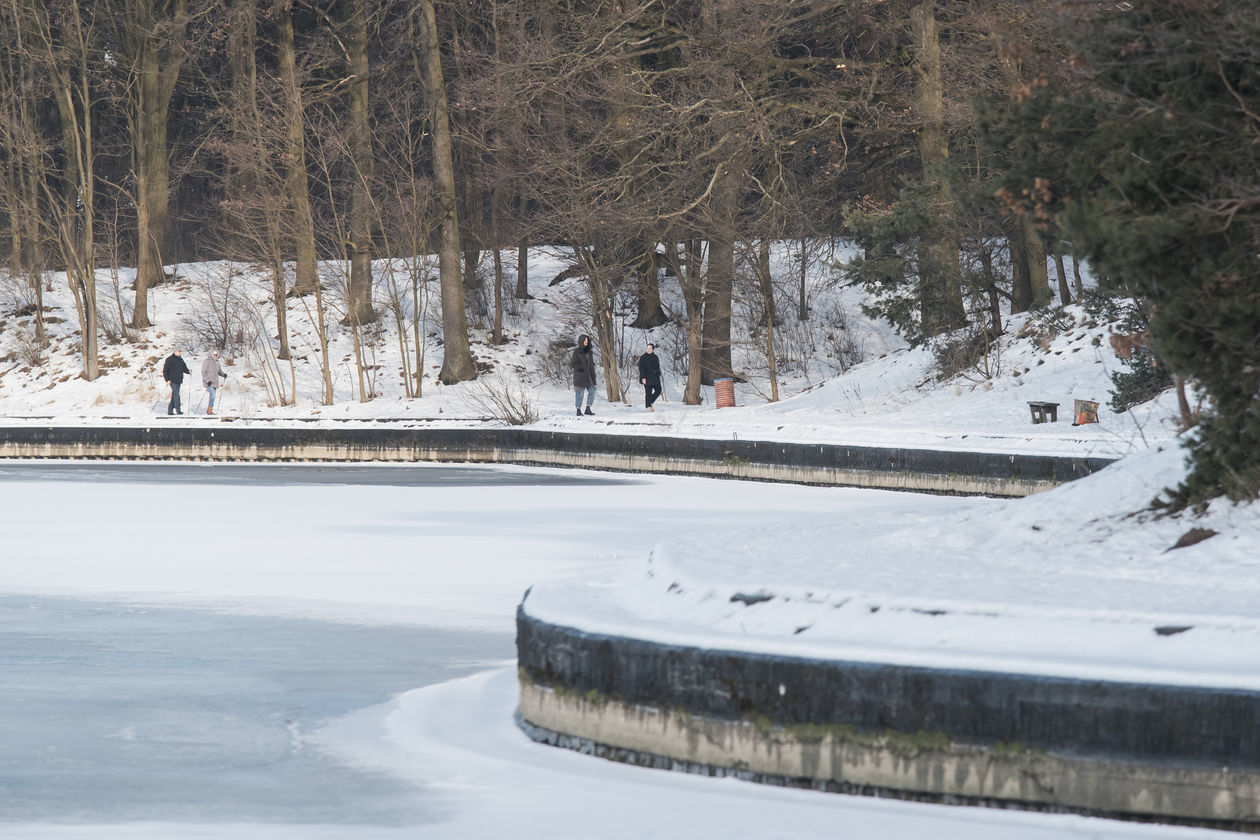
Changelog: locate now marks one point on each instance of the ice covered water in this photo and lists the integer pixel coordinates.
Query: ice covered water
(112, 712)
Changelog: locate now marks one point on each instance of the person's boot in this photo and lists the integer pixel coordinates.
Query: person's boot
(579, 412)
(209, 410)
(588, 411)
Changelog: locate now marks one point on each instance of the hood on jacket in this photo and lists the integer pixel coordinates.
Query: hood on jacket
(584, 343)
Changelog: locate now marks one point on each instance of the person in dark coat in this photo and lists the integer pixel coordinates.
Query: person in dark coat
(583, 364)
(650, 375)
(173, 372)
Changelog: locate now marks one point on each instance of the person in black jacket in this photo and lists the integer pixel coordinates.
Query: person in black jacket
(583, 364)
(650, 375)
(173, 372)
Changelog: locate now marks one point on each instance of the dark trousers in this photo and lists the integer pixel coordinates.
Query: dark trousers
(174, 405)
(652, 390)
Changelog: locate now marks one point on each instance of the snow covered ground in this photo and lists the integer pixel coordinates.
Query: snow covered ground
(1074, 581)
(1071, 582)
(844, 377)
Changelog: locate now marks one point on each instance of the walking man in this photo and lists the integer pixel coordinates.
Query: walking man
(650, 375)
(173, 372)
(583, 364)
(210, 374)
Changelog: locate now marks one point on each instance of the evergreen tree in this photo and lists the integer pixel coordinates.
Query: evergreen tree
(1151, 141)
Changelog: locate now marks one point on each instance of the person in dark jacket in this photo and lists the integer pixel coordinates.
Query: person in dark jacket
(650, 375)
(583, 364)
(173, 372)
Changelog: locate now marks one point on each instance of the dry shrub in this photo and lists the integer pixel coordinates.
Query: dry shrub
(503, 398)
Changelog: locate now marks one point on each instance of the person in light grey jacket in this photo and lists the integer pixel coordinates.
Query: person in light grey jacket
(211, 373)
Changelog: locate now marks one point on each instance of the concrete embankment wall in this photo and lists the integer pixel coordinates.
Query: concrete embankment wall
(1174, 753)
(919, 470)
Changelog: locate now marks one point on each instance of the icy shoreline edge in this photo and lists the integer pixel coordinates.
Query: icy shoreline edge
(918, 470)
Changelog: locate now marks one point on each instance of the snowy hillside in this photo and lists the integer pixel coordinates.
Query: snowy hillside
(843, 377)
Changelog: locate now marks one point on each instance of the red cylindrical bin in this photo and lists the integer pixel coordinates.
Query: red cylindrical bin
(724, 392)
(1086, 412)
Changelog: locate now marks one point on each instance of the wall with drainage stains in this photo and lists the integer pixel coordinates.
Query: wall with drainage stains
(918, 470)
(1178, 753)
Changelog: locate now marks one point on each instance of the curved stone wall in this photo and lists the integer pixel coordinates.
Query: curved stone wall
(921, 470)
(1174, 753)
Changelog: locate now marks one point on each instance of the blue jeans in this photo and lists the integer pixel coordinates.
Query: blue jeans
(210, 390)
(590, 397)
(174, 406)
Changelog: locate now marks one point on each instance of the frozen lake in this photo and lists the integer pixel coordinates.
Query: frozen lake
(118, 713)
(204, 650)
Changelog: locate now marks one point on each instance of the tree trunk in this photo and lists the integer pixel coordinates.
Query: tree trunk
(26, 169)
(321, 327)
(715, 360)
(457, 361)
(1030, 284)
(691, 282)
(1038, 274)
(297, 191)
(359, 306)
(1187, 415)
(1065, 294)
(802, 306)
(766, 283)
(472, 258)
(991, 289)
(648, 289)
(33, 257)
(605, 338)
(157, 66)
(245, 171)
(941, 307)
(279, 299)
(496, 335)
(77, 212)
(1021, 279)
(522, 270)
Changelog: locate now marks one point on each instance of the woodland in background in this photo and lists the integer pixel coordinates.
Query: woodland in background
(965, 146)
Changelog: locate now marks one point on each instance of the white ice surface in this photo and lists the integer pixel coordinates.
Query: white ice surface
(1064, 583)
(459, 743)
(460, 556)
(1067, 582)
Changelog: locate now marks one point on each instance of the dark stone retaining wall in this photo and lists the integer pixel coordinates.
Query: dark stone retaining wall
(1178, 754)
(891, 468)
(1125, 721)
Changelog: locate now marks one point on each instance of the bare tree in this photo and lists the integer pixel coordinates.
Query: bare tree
(765, 283)
(255, 191)
(941, 289)
(26, 165)
(457, 362)
(73, 210)
(359, 306)
(297, 191)
(152, 43)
